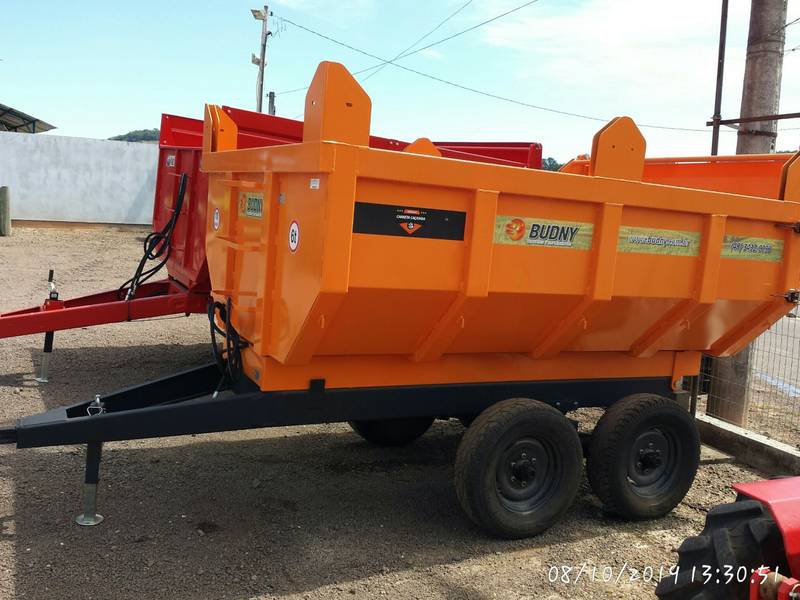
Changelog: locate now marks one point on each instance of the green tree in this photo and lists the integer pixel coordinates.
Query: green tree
(138, 135)
(550, 164)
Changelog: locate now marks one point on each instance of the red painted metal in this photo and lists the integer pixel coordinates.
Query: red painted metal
(782, 496)
(762, 589)
(187, 289)
(155, 299)
(180, 150)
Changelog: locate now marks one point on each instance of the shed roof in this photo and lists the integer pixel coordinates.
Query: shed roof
(15, 120)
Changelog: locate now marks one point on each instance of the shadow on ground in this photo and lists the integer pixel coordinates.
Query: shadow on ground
(288, 513)
(77, 374)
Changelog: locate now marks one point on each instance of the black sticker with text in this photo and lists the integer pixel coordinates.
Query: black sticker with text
(408, 221)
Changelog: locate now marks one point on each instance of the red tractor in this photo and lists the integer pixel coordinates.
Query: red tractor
(748, 550)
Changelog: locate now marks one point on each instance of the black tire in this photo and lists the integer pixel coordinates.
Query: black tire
(392, 432)
(518, 468)
(737, 538)
(643, 456)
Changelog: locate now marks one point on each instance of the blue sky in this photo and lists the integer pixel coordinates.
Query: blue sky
(96, 69)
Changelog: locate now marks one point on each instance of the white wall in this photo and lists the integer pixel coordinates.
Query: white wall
(56, 178)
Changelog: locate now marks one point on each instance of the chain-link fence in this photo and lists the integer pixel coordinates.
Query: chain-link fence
(759, 389)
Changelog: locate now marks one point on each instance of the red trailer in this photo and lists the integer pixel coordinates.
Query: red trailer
(186, 288)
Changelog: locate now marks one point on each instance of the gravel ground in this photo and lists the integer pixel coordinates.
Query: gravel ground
(299, 512)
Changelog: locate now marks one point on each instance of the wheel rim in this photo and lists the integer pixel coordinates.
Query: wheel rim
(653, 461)
(526, 474)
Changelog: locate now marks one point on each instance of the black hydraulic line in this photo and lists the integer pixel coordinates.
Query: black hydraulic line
(229, 359)
(157, 245)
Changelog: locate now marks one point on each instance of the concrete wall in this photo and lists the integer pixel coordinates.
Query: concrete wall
(56, 178)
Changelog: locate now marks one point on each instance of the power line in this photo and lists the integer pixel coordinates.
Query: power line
(392, 61)
(477, 91)
(402, 52)
(474, 27)
(766, 38)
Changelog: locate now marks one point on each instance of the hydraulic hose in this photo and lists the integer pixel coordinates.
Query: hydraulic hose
(157, 246)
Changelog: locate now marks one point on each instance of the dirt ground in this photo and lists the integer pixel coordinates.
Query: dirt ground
(300, 512)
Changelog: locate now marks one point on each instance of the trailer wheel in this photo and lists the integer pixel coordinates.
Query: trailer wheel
(718, 564)
(392, 432)
(643, 456)
(518, 468)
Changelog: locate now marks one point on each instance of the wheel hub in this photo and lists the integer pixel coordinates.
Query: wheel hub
(650, 456)
(523, 470)
(523, 473)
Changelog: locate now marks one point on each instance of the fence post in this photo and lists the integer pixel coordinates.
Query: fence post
(5, 211)
(728, 388)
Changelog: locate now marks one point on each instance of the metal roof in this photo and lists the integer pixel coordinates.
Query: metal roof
(14, 120)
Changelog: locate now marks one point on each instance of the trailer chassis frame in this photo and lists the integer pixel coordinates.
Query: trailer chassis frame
(190, 402)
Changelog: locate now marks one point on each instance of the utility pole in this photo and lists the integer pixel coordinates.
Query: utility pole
(723, 33)
(261, 59)
(761, 94)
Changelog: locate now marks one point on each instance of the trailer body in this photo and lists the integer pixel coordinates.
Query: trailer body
(370, 268)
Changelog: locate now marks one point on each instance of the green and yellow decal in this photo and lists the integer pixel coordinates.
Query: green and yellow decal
(251, 204)
(752, 248)
(671, 242)
(530, 231)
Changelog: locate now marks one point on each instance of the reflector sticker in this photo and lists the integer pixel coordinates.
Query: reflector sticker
(752, 248)
(530, 231)
(408, 221)
(251, 204)
(672, 242)
(294, 236)
(215, 219)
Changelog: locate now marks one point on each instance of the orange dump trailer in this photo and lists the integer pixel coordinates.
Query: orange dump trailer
(387, 289)
(378, 269)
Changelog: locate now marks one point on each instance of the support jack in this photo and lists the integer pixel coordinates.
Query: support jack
(90, 517)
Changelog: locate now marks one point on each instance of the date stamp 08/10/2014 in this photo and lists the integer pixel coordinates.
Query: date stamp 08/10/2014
(628, 574)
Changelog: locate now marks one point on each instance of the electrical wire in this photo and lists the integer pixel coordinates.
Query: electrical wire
(767, 37)
(380, 67)
(481, 92)
(157, 244)
(384, 61)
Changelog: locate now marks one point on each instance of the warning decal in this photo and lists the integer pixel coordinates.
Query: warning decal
(251, 204)
(752, 248)
(408, 221)
(529, 231)
(645, 240)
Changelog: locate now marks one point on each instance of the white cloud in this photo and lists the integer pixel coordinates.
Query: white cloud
(653, 61)
(625, 49)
